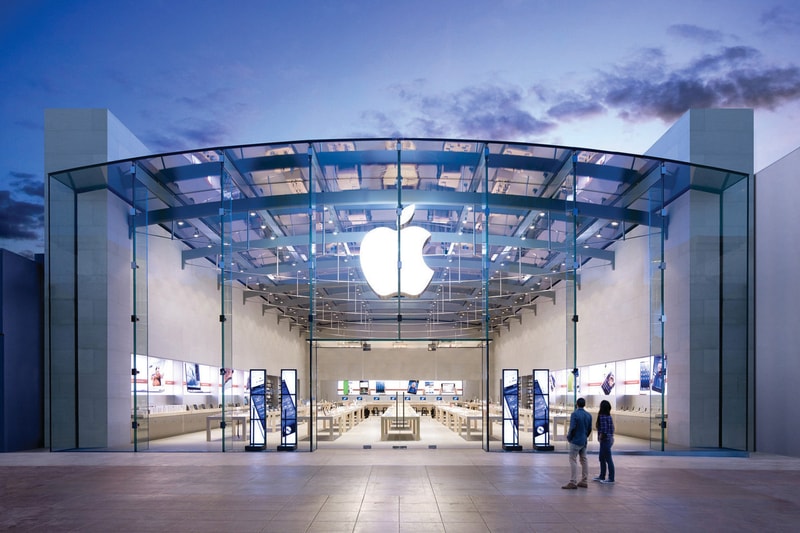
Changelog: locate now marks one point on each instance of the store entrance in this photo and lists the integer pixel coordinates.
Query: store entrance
(415, 395)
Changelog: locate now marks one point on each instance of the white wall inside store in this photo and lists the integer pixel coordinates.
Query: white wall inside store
(336, 364)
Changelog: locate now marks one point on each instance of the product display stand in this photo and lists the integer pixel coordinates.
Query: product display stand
(258, 410)
(288, 410)
(541, 410)
(509, 384)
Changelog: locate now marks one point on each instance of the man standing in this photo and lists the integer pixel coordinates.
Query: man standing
(580, 427)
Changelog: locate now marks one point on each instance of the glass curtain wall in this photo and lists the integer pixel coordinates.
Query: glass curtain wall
(144, 374)
(655, 235)
(500, 227)
(226, 267)
(569, 268)
(61, 379)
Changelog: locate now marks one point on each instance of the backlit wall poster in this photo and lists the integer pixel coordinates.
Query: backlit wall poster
(258, 408)
(659, 381)
(541, 408)
(510, 383)
(288, 408)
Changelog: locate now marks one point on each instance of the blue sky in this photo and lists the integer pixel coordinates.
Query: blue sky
(605, 74)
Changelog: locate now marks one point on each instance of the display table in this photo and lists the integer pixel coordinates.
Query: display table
(399, 423)
(460, 419)
(339, 419)
(239, 422)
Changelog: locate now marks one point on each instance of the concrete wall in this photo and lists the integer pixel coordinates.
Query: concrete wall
(88, 344)
(777, 334)
(21, 353)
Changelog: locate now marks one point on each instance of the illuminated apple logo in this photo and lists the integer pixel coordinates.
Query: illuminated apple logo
(379, 259)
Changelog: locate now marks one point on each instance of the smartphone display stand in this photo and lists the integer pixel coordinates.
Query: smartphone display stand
(541, 410)
(258, 410)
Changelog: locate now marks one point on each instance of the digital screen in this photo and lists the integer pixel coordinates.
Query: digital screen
(510, 407)
(376, 397)
(644, 376)
(541, 417)
(359, 398)
(608, 383)
(257, 394)
(659, 373)
(192, 372)
(422, 398)
(438, 398)
(289, 412)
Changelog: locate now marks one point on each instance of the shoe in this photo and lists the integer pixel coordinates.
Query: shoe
(583, 485)
(607, 481)
(598, 478)
(570, 485)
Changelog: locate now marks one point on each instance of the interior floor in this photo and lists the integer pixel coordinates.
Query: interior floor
(367, 434)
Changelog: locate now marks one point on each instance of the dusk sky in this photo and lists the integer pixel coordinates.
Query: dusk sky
(605, 74)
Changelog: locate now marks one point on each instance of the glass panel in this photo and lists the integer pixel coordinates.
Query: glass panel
(227, 266)
(145, 375)
(658, 384)
(567, 270)
(735, 393)
(62, 287)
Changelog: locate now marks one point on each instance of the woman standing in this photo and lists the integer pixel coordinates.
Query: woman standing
(605, 434)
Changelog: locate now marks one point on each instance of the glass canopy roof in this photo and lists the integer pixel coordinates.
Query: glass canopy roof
(507, 222)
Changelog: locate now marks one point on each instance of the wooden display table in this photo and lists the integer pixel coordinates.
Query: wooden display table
(401, 423)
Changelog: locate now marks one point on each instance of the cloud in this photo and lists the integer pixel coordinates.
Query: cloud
(782, 19)
(27, 184)
(486, 111)
(185, 133)
(20, 219)
(695, 33)
(730, 77)
(577, 107)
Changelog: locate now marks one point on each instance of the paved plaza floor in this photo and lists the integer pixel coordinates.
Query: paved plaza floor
(392, 490)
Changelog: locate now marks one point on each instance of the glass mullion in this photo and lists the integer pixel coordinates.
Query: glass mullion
(226, 267)
(658, 413)
(139, 267)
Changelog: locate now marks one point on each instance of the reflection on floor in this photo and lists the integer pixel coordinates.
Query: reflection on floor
(367, 434)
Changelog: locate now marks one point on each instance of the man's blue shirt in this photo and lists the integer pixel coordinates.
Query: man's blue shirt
(581, 422)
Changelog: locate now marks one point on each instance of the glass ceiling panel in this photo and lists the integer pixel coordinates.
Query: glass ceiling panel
(357, 180)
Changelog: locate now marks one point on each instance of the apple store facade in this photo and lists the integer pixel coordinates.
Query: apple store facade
(383, 273)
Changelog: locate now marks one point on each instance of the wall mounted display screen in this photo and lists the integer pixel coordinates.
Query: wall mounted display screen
(608, 383)
(659, 373)
(510, 383)
(644, 376)
(192, 375)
